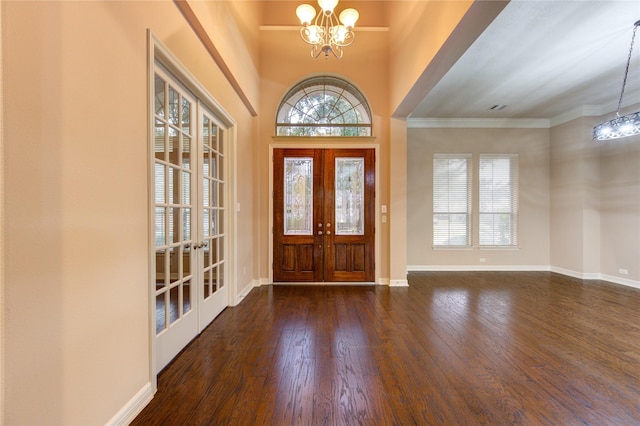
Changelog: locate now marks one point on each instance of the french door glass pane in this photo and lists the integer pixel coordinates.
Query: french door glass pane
(159, 96)
(173, 106)
(349, 196)
(161, 238)
(173, 304)
(186, 300)
(186, 116)
(186, 152)
(159, 141)
(298, 196)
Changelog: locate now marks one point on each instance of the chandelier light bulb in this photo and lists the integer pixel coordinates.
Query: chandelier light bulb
(305, 13)
(314, 34)
(348, 17)
(327, 6)
(339, 33)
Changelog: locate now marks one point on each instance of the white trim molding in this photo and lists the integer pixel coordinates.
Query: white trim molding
(478, 123)
(132, 408)
(264, 281)
(523, 268)
(596, 276)
(632, 98)
(245, 292)
(471, 268)
(399, 283)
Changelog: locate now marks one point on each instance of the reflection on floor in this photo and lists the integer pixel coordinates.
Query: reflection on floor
(453, 348)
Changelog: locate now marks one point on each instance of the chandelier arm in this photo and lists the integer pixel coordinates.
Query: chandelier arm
(626, 71)
(337, 52)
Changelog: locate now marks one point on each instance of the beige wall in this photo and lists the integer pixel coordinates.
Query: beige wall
(532, 146)
(76, 330)
(579, 200)
(595, 203)
(574, 201)
(620, 207)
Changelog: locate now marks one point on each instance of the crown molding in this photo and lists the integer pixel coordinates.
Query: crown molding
(297, 28)
(579, 112)
(478, 123)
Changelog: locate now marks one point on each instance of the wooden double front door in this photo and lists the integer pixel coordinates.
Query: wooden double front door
(324, 215)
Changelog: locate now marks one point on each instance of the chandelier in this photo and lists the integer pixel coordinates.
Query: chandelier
(327, 34)
(627, 125)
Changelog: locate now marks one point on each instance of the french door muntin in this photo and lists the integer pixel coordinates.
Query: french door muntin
(189, 211)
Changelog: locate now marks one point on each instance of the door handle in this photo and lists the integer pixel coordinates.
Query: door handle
(328, 232)
(319, 232)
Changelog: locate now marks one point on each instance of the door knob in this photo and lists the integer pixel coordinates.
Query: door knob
(328, 225)
(319, 225)
(319, 232)
(328, 232)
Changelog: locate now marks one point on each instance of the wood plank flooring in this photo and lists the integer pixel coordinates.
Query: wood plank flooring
(487, 348)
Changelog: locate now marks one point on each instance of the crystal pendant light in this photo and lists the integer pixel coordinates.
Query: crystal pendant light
(627, 125)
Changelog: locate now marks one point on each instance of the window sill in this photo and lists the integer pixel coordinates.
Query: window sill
(499, 248)
(505, 248)
(323, 138)
(452, 247)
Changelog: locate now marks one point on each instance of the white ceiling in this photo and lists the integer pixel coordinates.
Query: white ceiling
(543, 58)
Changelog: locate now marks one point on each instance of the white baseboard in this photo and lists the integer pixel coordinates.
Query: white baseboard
(264, 281)
(561, 271)
(618, 280)
(461, 268)
(596, 276)
(129, 412)
(245, 291)
(399, 283)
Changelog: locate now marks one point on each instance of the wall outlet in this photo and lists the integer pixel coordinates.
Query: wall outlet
(623, 271)
(482, 260)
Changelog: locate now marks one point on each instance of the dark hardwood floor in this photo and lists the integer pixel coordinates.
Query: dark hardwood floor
(492, 348)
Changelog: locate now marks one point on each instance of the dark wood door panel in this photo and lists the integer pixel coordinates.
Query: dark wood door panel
(322, 255)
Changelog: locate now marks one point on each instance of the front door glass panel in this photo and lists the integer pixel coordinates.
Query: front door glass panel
(298, 196)
(349, 196)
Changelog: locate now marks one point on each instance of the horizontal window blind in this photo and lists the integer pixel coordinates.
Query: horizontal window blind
(498, 186)
(452, 200)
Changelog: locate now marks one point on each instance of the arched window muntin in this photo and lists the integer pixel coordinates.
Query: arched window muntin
(324, 106)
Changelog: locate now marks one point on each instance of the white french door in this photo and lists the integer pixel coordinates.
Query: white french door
(212, 265)
(189, 217)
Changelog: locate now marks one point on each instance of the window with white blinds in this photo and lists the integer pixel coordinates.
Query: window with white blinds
(498, 200)
(452, 200)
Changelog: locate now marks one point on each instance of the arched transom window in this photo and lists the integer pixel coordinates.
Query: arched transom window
(324, 106)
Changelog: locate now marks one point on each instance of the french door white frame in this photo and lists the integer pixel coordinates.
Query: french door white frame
(157, 53)
(330, 145)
